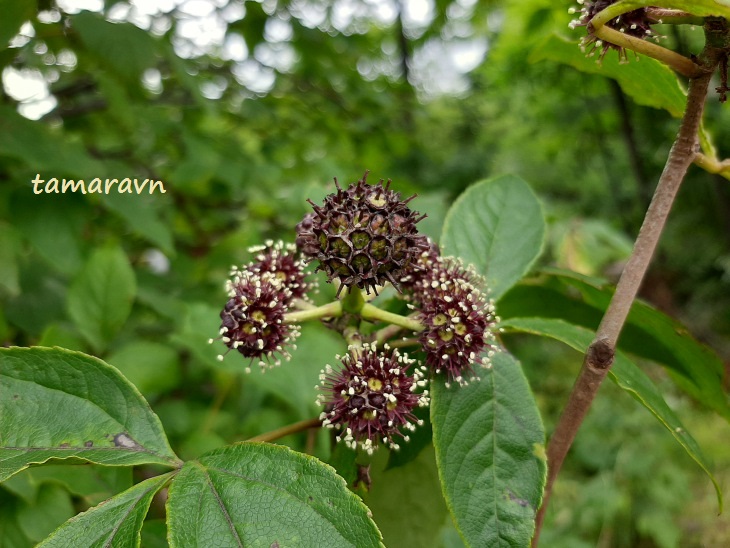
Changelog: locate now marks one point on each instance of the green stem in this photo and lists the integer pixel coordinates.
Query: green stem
(329, 310)
(597, 26)
(713, 165)
(673, 17)
(403, 343)
(353, 301)
(353, 338)
(371, 312)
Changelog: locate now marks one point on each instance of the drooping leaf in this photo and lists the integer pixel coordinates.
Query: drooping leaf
(257, 494)
(648, 82)
(497, 225)
(59, 404)
(490, 451)
(116, 522)
(626, 375)
(649, 333)
(101, 296)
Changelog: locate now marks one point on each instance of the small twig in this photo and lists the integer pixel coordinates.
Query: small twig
(329, 310)
(713, 165)
(600, 353)
(371, 312)
(287, 430)
(683, 65)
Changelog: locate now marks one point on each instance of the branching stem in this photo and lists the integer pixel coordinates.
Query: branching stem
(329, 310)
(371, 312)
(600, 353)
(683, 65)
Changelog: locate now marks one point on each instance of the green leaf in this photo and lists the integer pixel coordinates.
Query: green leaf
(47, 151)
(15, 13)
(60, 404)
(63, 335)
(257, 494)
(419, 440)
(648, 82)
(414, 486)
(51, 508)
(100, 298)
(140, 211)
(116, 522)
(11, 535)
(122, 47)
(152, 367)
(91, 482)
(626, 375)
(649, 333)
(490, 451)
(51, 224)
(9, 248)
(497, 225)
(154, 533)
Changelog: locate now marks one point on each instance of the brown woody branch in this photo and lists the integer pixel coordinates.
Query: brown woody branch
(600, 353)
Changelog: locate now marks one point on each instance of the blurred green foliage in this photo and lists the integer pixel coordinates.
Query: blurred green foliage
(241, 135)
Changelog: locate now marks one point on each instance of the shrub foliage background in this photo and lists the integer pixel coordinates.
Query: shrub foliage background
(241, 142)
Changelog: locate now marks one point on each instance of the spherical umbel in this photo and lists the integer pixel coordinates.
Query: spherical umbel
(372, 397)
(252, 321)
(364, 235)
(635, 23)
(283, 261)
(459, 320)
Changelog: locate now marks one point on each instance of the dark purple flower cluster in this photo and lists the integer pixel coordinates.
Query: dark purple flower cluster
(458, 316)
(635, 23)
(284, 262)
(364, 235)
(372, 397)
(252, 321)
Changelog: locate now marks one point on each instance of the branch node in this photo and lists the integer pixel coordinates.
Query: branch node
(601, 353)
